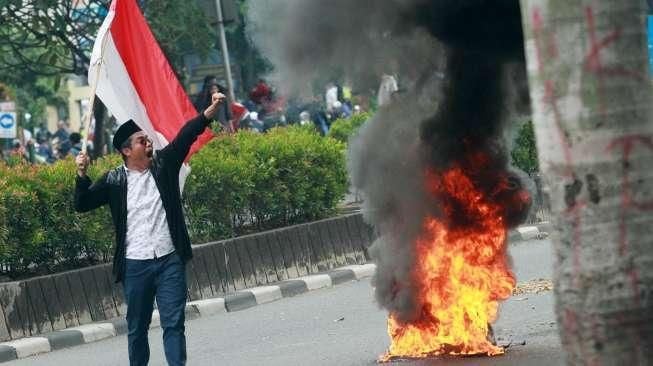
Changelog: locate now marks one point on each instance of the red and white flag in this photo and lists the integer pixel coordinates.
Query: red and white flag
(135, 80)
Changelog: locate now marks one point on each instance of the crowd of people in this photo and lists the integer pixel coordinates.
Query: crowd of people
(262, 110)
(44, 147)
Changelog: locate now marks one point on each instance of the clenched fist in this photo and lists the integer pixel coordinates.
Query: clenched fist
(82, 163)
(216, 100)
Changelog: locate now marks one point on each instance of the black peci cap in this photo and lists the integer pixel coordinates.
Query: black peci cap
(124, 131)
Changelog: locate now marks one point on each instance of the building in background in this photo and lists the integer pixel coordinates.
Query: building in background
(79, 93)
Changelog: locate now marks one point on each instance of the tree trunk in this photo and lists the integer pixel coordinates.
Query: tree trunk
(99, 112)
(591, 96)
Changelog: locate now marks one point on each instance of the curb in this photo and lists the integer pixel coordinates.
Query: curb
(530, 232)
(70, 337)
(521, 233)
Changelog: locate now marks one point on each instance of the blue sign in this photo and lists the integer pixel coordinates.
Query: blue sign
(7, 120)
(7, 125)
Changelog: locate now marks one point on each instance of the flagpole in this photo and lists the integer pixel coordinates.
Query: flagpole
(94, 82)
(225, 51)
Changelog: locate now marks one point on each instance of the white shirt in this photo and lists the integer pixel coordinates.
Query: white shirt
(386, 89)
(148, 235)
(331, 97)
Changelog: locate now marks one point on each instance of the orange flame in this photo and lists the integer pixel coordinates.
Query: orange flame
(460, 276)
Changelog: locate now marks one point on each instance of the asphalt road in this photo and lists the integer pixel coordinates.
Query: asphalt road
(336, 326)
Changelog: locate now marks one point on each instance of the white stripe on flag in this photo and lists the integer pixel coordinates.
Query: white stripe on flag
(117, 92)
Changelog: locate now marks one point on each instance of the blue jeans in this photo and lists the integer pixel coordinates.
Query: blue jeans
(162, 278)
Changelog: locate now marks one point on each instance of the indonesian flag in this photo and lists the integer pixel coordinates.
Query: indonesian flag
(135, 81)
(238, 112)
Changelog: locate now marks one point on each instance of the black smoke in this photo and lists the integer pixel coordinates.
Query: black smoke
(489, 27)
(460, 65)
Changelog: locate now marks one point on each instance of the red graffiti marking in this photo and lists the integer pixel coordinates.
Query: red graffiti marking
(538, 26)
(574, 212)
(634, 329)
(594, 64)
(627, 144)
(571, 322)
(633, 276)
(598, 336)
(551, 99)
(570, 319)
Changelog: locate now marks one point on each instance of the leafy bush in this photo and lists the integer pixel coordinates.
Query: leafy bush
(524, 152)
(342, 129)
(250, 182)
(43, 233)
(238, 184)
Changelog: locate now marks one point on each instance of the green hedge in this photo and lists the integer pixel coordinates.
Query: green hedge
(238, 184)
(42, 231)
(251, 182)
(342, 129)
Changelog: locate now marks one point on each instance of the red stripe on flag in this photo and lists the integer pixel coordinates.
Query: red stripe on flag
(164, 98)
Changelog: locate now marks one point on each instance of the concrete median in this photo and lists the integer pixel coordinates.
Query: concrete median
(223, 269)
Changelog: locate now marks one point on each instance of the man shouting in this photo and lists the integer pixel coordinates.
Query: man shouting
(152, 243)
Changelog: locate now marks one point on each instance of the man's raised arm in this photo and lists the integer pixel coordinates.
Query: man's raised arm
(193, 128)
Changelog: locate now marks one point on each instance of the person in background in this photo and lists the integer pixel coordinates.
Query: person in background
(42, 133)
(260, 93)
(62, 131)
(387, 89)
(43, 149)
(331, 96)
(224, 114)
(305, 118)
(347, 96)
(340, 110)
(63, 136)
(17, 152)
(318, 116)
(203, 99)
(76, 143)
(239, 113)
(254, 123)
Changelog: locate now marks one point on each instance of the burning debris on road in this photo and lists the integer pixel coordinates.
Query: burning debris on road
(433, 165)
(533, 287)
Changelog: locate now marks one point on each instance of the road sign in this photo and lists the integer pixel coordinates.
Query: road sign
(7, 106)
(8, 125)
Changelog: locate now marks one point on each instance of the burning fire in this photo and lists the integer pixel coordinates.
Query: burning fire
(460, 272)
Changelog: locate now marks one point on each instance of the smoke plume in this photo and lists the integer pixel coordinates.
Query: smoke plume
(458, 63)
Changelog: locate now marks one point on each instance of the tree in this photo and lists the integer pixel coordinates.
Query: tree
(252, 63)
(48, 37)
(42, 40)
(591, 93)
(524, 153)
(181, 28)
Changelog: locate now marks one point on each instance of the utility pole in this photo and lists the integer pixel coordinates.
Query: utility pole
(225, 51)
